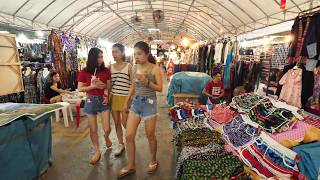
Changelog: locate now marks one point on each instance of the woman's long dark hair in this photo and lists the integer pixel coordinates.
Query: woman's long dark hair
(92, 62)
(145, 47)
(121, 48)
(50, 80)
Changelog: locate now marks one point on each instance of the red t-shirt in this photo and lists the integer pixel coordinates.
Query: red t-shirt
(85, 77)
(214, 88)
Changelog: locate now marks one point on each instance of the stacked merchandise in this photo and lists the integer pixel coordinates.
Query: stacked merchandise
(200, 151)
(262, 133)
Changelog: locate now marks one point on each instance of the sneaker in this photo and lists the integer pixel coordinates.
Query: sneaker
(119, 150)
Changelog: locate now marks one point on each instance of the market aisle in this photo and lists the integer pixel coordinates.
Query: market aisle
(72, 147)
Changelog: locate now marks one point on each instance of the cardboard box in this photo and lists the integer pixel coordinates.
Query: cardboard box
(186, 97)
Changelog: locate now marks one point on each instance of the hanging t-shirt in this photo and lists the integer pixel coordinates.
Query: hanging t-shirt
(214, 88)
(85, 77)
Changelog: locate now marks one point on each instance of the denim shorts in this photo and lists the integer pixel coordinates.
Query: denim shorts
(93, 105)
(144, 107)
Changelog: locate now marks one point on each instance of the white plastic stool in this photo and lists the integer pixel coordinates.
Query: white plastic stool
(65, 109)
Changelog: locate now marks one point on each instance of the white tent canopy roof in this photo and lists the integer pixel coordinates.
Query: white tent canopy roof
(113, 19)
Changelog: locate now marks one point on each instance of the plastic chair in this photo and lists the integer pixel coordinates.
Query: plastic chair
(65, 109)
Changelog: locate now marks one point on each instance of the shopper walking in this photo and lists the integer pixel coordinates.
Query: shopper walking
(95, 79)
(121, 81)
(147, 81)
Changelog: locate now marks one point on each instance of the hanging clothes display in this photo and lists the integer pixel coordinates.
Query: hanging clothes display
(226, 72)
(279, 55)
(292, 87)
(54, 44)
(29, 82)
(305, 46)
(217, 55)
(314, 100)
(307, 83)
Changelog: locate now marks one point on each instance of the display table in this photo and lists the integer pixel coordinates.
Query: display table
(25, 140)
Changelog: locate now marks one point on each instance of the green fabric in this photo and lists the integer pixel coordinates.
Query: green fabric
(223, 167)
(198, 138)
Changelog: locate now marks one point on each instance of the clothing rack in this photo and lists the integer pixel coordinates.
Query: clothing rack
(36, 63)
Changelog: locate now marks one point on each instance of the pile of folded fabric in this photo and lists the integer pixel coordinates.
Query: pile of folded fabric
(201, 154)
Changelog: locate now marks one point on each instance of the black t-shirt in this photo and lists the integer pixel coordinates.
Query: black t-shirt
(48, 92)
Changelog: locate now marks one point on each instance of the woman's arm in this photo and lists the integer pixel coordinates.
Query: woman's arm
(109, 85)
(158, 85)
(83, 88)
(56, 89)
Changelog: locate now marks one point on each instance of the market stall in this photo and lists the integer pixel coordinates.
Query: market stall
(257, 130)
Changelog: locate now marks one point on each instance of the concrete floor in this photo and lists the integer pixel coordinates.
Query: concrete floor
(72, 149)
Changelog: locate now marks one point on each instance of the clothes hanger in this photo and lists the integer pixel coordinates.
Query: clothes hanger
(297, 64)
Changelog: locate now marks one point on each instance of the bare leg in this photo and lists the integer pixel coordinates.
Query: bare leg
(131, 131)
(117, 122)
(105, 115)
(55, 99)
(150, 127)
(124, 118)
(94, 137)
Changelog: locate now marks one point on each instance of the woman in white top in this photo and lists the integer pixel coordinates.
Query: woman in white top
(121, 81)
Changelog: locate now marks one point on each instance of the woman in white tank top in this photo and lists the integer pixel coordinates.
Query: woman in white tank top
(121, 81)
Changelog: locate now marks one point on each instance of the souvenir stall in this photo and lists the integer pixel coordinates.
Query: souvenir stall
(261, 136)
(25, 129)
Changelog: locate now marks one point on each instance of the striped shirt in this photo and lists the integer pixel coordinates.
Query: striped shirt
(120, 81)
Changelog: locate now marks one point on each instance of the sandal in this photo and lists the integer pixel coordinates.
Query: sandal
(153, 167)
(125, 172)
(95, 158)
(108, 141)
